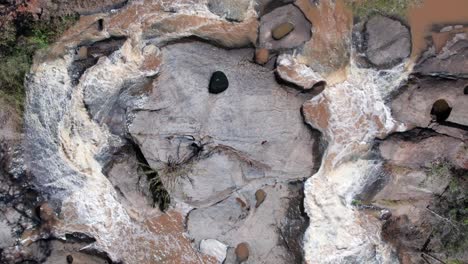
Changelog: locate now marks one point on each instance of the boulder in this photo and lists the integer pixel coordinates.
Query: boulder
(288, 24)
(230, 10)
(388, 41)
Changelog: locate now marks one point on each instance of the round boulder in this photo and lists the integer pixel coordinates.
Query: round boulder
(388, 41)
(284, 28)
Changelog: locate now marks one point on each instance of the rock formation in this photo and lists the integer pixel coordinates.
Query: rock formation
(215, 131)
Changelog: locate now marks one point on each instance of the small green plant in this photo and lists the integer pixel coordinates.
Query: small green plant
(451, 209)
(19, 40)
(365, 8)
(356, 202)
(438, 170)
(159, 194)
(454, 261)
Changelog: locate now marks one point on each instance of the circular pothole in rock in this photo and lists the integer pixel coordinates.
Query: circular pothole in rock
(242, 252)
(465, 91)
(218, 82)
(282, 30)
(69, 259)
(440, 110)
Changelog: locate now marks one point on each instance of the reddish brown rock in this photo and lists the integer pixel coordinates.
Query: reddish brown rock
(261, 56)
(242, 252)
(326, 53)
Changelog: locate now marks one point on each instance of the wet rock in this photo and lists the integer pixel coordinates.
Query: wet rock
(231, 10)
(260, 196)
(242, 252)
(388, 41)
(280, 21)
(292, 71)
(282, 30)
(449, 61)
(218, 82)
(214, 248)
(327, 17)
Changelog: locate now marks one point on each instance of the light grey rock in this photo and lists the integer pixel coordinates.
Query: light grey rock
(267, 229)
(214, 248)
(231, 10)
(218, 143)
(388, 41)
(452, 61)
(284, 14)
(6, 239)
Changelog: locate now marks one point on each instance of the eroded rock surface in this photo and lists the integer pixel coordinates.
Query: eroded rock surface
(285, 14)
(253, 131)
(388, 41)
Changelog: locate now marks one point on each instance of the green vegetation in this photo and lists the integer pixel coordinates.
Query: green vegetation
(165, 178)
(159, 194)
(356, 202)
(19, 40)
(365, 8)
(454, 261)
(440, 168)
(452, 208)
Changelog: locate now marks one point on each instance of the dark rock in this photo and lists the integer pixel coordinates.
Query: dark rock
(452, 61)
(260, 196)
(69, 259)
(218, 83)
(281, 20)
(242, 252)
(385, 214)
(265, 6)
(282, 30)
(388, 41)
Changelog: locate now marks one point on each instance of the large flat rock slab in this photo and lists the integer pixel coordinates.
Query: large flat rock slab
(207, 145)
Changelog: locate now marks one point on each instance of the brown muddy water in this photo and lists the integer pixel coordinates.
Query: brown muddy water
(431, 16)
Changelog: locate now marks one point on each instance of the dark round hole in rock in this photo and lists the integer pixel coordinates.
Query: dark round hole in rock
(69, 259)
(441, 110)
(465, 91)
(101, 24)
(218, 82)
